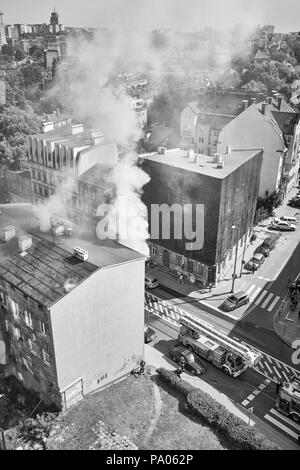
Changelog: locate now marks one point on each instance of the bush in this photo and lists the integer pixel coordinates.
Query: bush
(216, 415)
(171, 378)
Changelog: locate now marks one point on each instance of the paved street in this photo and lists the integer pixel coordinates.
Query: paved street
(251, 392)
(261, 324)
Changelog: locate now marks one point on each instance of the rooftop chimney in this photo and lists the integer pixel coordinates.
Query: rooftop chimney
(80, 253)
(97, 136)
(77, 129)
(264, 107)
(245, 104)
(24, 242)
(269, 100)
(8, 233)
(279, 102)
(253, 100)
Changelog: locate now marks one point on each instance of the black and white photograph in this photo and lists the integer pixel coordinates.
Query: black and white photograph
(150, 228)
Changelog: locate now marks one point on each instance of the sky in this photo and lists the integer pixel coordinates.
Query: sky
(150, 14)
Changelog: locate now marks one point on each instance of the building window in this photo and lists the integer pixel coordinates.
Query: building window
(28, 318)
(154, 250)
(42, 328)
(2, 298)
(17, 333)
(14, 309)
(93, 194)
(46, 357)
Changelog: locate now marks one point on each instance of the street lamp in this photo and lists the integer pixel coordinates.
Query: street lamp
(236, 254)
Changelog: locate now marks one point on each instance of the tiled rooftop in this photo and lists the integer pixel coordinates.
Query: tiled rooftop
(42, 272)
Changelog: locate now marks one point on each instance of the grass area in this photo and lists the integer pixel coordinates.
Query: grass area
(145, 410)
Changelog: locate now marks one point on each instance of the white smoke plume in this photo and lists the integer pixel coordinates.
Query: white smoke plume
(85, 88)
(56, 205)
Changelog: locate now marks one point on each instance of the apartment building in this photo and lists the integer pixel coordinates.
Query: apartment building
(65, 152)
(226, 190)
(260, 125)
(64, 329)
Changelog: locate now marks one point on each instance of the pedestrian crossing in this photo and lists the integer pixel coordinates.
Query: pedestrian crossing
(268, 366)
(284, 423)
(266, 300)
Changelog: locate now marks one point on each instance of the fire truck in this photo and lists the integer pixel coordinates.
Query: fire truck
(229, 355)
(288, 399)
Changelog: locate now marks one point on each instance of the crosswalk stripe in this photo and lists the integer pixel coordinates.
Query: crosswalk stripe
(245, 402)
(273, 303)
(250, 289)
(267, 300)
(254, 294)
(285, 419)
(261, 297)
(281, 426)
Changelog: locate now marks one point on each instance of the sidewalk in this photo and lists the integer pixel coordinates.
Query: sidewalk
(286, 321)
(223, 288)
(155, 358)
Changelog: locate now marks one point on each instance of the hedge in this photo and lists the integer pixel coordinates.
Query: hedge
(202, 405)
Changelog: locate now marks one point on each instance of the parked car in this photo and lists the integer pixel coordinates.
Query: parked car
(149, 334)
(255, 262)
(283, 226)
(289, 219)
(294, 203)
(235, 300)
(270, 241)
(263, 249)
(151, 282)
(193, 365)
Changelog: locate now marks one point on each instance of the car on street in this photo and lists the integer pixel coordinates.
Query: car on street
(151, 282)
(294, 203)
(149, 334)
(255, 262)
(235, 301)
(289, 219)
(180, 353)
(263, 249)
(283, 225)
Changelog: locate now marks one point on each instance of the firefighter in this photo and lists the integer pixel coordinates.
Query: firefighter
(179, 371)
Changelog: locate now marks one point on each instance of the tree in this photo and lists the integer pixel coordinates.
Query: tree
(19, 54)
(32, 74)
(15, 125)
(296, 49)
(37, 430)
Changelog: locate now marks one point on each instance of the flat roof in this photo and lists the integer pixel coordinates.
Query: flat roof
(44, 270)
(205, 164)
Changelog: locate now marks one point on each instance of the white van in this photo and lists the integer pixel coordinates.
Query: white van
(293, 220)
(151, 282)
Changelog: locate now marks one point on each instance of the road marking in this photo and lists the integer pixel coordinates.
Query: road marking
(245, 402)
(255, 294)
(281, 426)
(273, 303)
(250, 289)
(267, 300)
(285, 419)
(261, 297)
(250, 397)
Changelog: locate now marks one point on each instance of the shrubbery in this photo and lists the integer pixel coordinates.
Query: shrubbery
(216, 415)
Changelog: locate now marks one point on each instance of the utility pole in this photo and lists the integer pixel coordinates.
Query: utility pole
(244, 250)
(236, 253)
